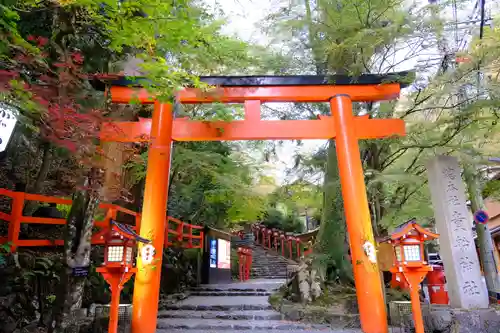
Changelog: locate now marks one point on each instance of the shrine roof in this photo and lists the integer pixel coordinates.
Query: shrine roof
(128, 232)
(403, 78)
(405, 228)
(217, 233)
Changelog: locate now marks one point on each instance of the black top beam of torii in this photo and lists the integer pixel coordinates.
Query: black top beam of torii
(403, 78)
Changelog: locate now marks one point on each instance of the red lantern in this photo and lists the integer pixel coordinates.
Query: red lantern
(408, 261)
(119, 250)
(119, 262)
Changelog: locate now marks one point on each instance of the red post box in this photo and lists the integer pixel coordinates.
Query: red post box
(436, 282)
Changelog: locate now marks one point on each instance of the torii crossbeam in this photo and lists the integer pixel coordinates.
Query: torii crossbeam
(340, 91)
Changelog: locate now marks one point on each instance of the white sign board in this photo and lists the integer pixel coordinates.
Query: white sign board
(7, 123)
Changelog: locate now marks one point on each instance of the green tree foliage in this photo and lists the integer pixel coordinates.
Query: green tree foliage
(28, 285)
(50, 51)
(286, 221)
(210, 183)
(342, 37)
(298, 196)
(292, 204)
(444, 111)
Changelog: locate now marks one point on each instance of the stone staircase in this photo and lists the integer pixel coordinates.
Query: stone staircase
(239, 307)
(267, 264)
(234, 308)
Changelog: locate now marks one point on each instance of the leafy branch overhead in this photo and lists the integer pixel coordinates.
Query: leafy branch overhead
(209, 183)
(445, 112)
(50, 54)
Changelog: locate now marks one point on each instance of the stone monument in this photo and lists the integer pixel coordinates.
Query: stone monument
(466, 287)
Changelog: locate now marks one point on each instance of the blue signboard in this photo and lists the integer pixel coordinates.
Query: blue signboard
(481, 217)
(80, 271)
(213, 253)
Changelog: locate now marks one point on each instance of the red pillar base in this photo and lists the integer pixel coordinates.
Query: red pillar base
(116, 278)
(414, 277)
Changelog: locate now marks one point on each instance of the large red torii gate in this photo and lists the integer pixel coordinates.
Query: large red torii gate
(340, 91)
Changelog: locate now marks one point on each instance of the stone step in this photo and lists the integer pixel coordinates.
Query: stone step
(263, 263)
(270, 269)
(230, 293)
(214, 289)
(252, 285)
(222, 303)
(224, 324)
(234, 315)
(323, 330)
(214, 307)
(273, 266)
(270, 277)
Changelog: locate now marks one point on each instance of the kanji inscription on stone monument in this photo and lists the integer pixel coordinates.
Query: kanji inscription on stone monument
(466, 264)
(466, 288)
(459, 221)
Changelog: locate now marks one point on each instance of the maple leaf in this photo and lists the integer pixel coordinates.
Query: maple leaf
(42, 41)
(77, 57)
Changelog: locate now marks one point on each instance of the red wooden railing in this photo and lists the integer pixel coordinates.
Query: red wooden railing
(15, 218)
(180, 234)
(289, 246)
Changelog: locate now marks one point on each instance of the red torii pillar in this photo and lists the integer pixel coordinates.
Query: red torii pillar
(153, 222)
(342, 125)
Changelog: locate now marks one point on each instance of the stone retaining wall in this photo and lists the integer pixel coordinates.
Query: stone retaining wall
(446, 320)
(443, 319)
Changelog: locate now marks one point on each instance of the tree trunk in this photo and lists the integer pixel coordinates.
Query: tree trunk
(77, 246)
(31, 206)
(332, 236)
(331, 244)
(486, 248)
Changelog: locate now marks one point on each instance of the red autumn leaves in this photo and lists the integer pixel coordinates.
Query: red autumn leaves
(53, 94)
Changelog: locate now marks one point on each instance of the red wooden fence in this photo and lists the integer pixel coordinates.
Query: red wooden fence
(288, 245)
(180, 234)
(15, 218)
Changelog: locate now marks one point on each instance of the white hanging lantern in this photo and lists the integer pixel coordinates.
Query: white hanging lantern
(8, 122)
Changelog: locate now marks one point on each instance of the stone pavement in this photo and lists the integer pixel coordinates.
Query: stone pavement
(236, 307)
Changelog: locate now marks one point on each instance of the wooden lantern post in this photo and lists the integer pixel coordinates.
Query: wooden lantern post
(119, 265)
(409, 261)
